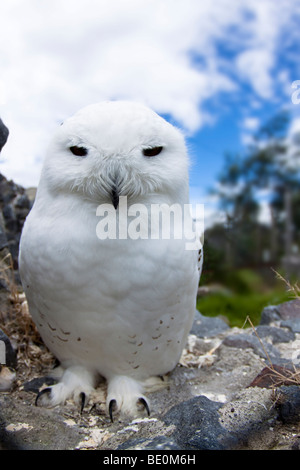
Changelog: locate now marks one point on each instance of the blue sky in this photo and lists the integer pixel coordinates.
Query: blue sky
(215, 69)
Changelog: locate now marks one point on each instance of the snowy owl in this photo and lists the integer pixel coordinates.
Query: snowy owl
(105, 260)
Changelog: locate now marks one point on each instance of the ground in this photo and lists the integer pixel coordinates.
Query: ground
(209, 370)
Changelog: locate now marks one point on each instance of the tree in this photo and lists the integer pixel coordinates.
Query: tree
(270, 167)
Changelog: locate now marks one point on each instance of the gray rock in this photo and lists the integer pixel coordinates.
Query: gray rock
(3, 237)
(269, 315)
(277, 335)
(244, 341)
(14, 208)
(37, 428)
(248, 414)
(293, 325)
(10, 353)
(290, 310)
(3, 134)
(157, 443)
(207, 327)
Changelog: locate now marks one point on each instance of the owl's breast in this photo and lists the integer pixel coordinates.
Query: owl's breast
(130, 299)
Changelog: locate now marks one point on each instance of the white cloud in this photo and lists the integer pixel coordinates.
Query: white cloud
(251, 123)
(59, 55)
(249, 126)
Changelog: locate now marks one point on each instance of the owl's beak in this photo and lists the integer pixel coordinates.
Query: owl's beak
(115, 197)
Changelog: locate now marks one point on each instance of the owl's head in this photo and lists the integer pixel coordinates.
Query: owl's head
(114, 149)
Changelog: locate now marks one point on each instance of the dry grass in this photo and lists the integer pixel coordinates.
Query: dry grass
(293, 288)
(288, 375)
(17, 324)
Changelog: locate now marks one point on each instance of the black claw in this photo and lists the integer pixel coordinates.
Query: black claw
(145, 404)
(82, 399)
(112, 405)
(42, 392)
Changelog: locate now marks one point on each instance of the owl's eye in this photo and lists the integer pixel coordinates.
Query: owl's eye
(152, 152)
(79, 151)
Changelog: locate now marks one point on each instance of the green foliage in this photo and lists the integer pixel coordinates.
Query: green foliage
(236, 307)
(243, 292)
(244, 282)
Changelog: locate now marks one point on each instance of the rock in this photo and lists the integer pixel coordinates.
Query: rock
(31, 427)
(288, 404)
(269, 315)
(197, 425)
(36, 384)
(3, 134)
(289, 310)
(3, 237)
(158, 443)
(206, 327)
(278, 335)
(293, 325)
(249, 413)
(15, 205)
(285, 311)
(7, 379)
(202, 424)
(245, 341)
(10, 359)
(273, 376)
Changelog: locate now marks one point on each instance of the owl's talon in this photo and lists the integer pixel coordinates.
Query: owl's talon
(112, 406)
(46, 390)
(82, 401)
(145, 405)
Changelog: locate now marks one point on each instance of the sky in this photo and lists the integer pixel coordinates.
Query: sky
(217, 70)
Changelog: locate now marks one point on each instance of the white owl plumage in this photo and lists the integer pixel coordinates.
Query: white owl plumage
(116, 307)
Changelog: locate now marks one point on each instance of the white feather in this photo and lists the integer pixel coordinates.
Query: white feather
(122, 307)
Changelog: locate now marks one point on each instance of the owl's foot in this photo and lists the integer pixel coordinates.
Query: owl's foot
(76, 383)
(125, 395)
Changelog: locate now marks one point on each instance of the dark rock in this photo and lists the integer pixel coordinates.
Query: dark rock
(197, 425)
(22, 201)
(296, 445)
(3, 237)
(15, 205)
(3, 134)
(10, 353)
(269, 315)
(34, 385)
(276, 334)
(207, 327)
(245, 341)
(288, 404)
